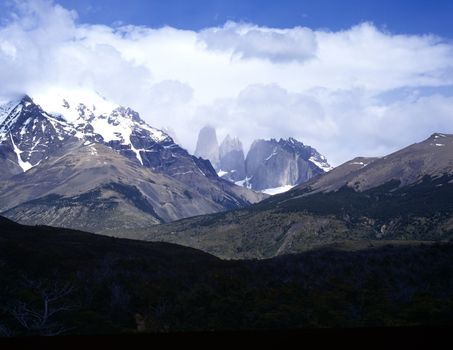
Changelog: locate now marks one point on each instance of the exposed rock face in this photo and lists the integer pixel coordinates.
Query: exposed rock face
(64, 167)
(272, 163)
(172, 133)
(26, 132)
(208, 146)
(232, 162)
(271, 166)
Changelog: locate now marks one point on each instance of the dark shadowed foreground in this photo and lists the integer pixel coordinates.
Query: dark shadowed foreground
(55, 281)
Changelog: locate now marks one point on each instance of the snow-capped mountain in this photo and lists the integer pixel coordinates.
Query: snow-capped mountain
(97, 119)
(34, 135)
(29, 129)
(28, 134)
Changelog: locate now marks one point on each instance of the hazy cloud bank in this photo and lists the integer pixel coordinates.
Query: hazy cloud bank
(362, 91)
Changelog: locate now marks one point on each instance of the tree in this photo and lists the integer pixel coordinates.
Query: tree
(39, 316)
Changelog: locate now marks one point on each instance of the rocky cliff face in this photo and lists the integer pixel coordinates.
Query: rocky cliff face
(28, 134)
(231, 159)
(208, 146)
(272, 164)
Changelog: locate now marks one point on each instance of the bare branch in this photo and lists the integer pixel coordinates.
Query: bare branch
(5, 331)
(39, 319)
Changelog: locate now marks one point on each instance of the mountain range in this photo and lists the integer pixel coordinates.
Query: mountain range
(94, 165)
(404, 196)
(270, 166)
(367, 243)
(99, 167)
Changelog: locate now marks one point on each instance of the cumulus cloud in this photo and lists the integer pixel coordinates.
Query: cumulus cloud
(340, 124)
(249, 41)
(361, 91)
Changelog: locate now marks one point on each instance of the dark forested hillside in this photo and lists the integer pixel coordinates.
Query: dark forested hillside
(55, 281)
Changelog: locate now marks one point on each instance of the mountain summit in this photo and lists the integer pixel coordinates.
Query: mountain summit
(231, 159)
(271, 166)
(207, 145)
(63, 156)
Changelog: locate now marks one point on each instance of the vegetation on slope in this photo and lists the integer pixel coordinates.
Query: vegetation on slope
(294, 222)
(92, 284)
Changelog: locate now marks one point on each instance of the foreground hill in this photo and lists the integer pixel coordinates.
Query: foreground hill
(407, 195)
(94, 284)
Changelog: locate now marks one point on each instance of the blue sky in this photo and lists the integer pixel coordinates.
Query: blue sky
(347, 77)
(398, 16)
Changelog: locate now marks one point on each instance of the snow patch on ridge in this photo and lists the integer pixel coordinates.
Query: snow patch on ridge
(24, 165)
(323, 165)
(245, 183)
(6, 111)
(6, 108)
(274, 153)
(277, 190)
(359, 163)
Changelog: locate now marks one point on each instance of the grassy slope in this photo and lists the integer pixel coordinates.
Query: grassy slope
(291, 222)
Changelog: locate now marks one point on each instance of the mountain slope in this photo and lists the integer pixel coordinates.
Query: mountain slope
(33, 129)
(432, 157)
(60, 168)
(89, 186)
(407, 195)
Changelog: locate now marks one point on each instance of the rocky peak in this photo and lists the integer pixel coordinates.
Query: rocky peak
(125, 112)
(208, 146)
(171, 132)
(37, 133)
(231, 159)
(230, 144)
(28, 134)
(12, 112)
(439, 138)
(274, 164)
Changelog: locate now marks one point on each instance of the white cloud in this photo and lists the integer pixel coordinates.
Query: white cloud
(250, 41)
(325, 88)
